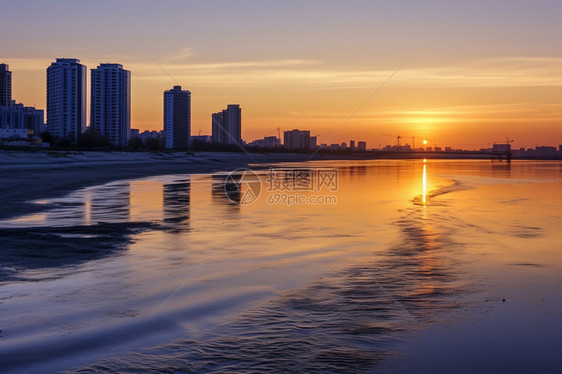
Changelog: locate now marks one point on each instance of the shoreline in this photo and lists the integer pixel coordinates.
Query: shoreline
(25, 177)
(28, 176)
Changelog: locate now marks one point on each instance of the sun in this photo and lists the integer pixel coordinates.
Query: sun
(425, 141)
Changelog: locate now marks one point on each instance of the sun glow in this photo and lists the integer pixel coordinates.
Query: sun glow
(425, 141)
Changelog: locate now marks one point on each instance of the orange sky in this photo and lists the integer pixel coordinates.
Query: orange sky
(477, 74)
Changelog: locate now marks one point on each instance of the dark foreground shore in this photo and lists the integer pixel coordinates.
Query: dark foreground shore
(28, 176)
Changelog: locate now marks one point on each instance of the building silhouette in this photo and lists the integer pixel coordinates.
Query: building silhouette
(226, 190)
(66, 99)
(19, 121)
(227, 125)
(266, 142)
(177, 118)
(110, 107)
(16, 120)
(5, 85)
(313, 142)
(296, 139)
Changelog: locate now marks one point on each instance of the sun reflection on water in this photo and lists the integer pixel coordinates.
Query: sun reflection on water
(424, 183)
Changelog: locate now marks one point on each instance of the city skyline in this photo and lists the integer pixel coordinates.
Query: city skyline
(478, 73)
(66, 101)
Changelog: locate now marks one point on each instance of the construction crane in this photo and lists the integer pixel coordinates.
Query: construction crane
(414, 141)
(507, 141)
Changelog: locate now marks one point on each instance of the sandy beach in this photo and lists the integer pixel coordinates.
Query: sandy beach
(28, 176)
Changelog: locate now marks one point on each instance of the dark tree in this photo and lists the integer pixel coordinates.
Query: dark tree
(46, 137)
(91, 138)
(135, 143)
(153, 144)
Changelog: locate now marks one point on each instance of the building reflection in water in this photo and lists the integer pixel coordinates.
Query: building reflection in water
(176, 201)
(110, 203)
(353, 171)
(226, 189)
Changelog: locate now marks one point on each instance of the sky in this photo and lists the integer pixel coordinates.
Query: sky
(459, 73)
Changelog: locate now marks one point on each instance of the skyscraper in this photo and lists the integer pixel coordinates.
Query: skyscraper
(227, 125)
(66, 98)
(110, 111)
(177, 117)
(5, 85)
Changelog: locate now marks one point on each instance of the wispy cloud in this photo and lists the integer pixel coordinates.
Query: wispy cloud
(312, 74)
(306, 74)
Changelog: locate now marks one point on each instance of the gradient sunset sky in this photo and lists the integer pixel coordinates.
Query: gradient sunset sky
(479, 70)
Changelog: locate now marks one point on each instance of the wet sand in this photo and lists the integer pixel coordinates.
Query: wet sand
(28, 176)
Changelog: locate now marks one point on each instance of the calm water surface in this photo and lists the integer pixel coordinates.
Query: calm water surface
(437, 266)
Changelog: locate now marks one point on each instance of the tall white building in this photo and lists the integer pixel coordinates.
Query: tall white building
(110, 106)
(66, 98)
(177, 118)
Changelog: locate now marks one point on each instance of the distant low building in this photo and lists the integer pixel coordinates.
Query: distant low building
(313, 142)
(149, 134)
(6, 133)
(545, 151)
(201, 138)
(501, 148)
(266, 142)
(395, 148)
(16, 120)
(22, 118)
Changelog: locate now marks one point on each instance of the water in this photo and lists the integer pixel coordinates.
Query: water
(442, 266)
